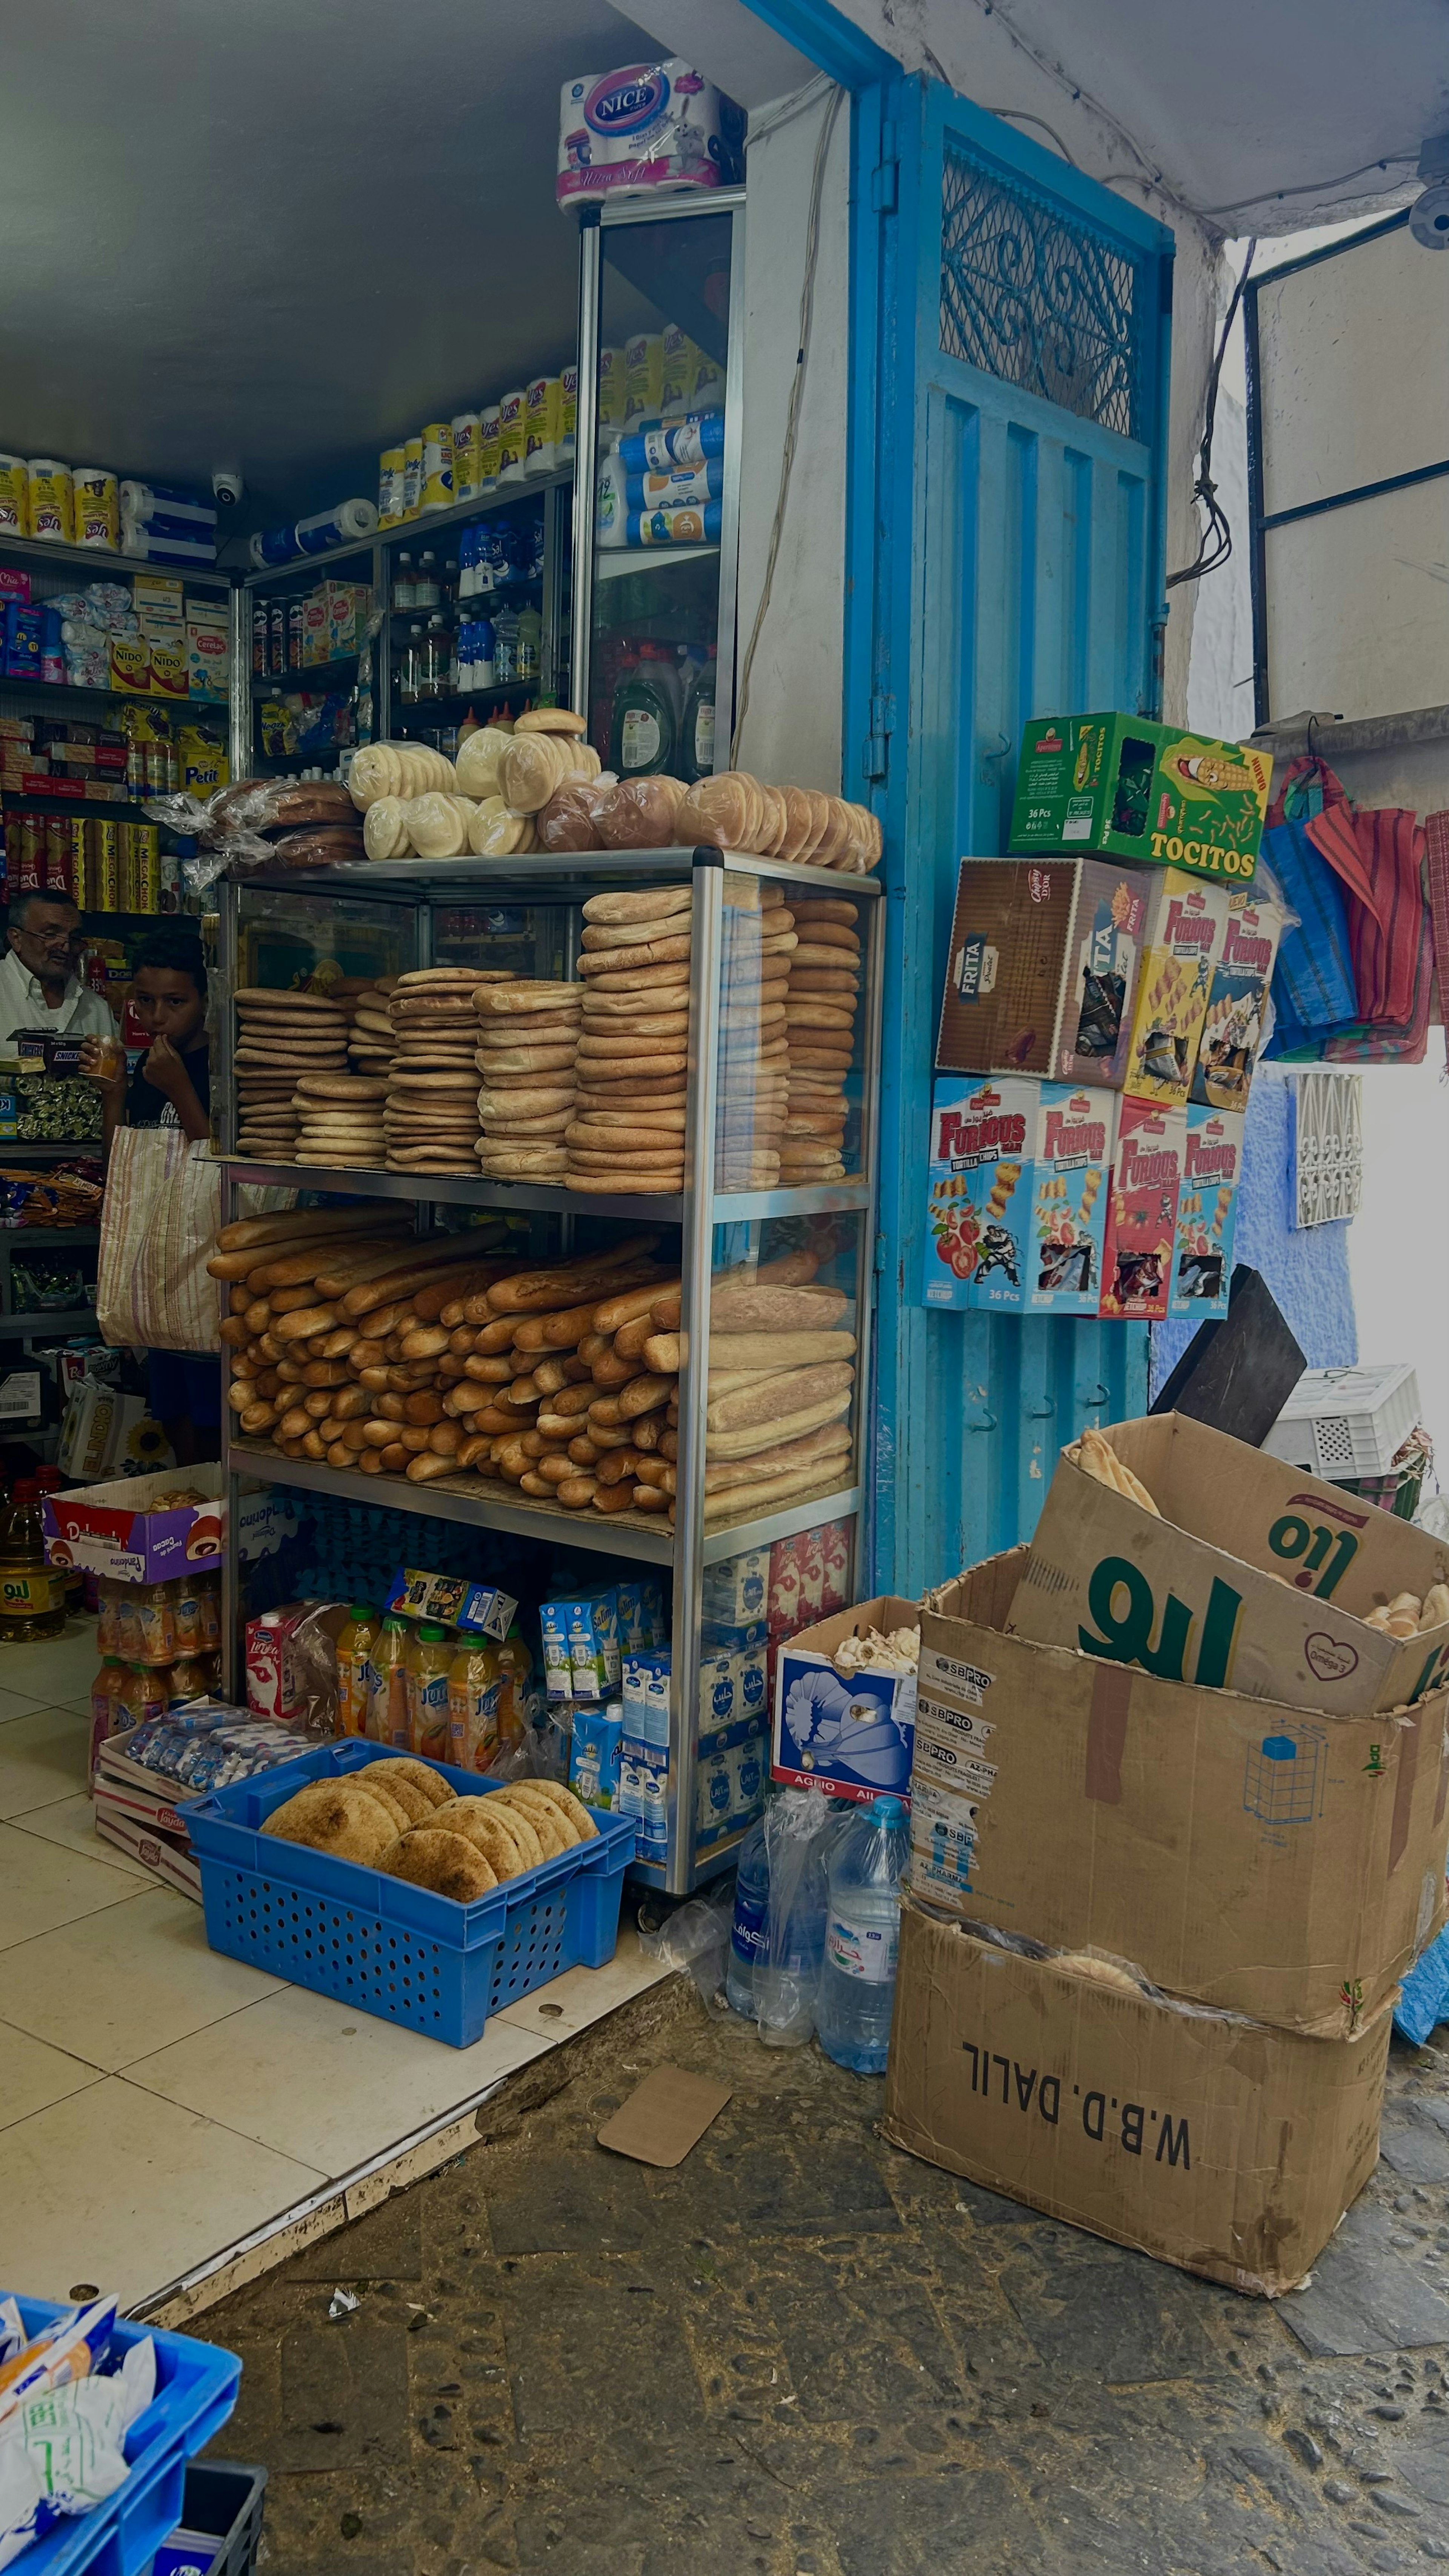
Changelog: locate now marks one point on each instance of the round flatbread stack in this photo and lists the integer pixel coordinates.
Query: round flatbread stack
(370, 1042)
(820, 1008)
(341, 1121)
(430, 1116)
(526, 1037)
(280, 1034)
(633, 1053)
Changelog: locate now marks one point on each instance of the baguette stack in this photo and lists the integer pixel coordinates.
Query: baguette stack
(280, 1034)
(431, 1112)
(759, 935)
(820, 1015)
(627, 1131)
(781, 1385)
(526, 1039)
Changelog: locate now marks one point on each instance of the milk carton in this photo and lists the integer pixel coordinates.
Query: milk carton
(646, 1696)
(595, 1755)
(735, 1588)
(1202, 1261)
(641, 1614)
(644, 1796)
(1074, 1137)
(982, 1140)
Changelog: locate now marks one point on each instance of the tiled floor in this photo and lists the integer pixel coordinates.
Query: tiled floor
(159, 2102)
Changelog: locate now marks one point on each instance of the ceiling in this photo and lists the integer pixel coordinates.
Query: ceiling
(278, 237)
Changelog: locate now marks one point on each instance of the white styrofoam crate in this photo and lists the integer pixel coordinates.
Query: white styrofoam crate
(1347, 1422)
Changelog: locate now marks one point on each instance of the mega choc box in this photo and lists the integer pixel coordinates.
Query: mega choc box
(1142, 791)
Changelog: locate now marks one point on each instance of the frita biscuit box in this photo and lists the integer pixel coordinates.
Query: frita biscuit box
(1232, 1029)
(1207, 1207)
(1075, 1130)
(1142, 1211)
(1043, 969)
(1185, 928)
(982, 1142)
(1142, 791)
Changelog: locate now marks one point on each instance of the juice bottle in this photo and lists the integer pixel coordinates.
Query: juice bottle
(32, 1599)
(475, 1685)
(429, 1658)
(208, 1587)
(515, 1666)
(143, 1693)
(105, 1695)
(387, 1688)
(187, 1615)
(190, 1677)
(354, 1665)
(108, 1616)
(156, 1622)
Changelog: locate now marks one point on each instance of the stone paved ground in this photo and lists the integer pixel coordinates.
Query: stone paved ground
(804, 2354)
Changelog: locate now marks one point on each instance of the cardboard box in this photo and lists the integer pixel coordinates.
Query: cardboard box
(1207, 1213)
(208, 653)
(1232, 1029)
(164, 1855)
(1185, 926)
(113, 1529)
(1143, 791)
(1206, 2140)
(1141, 1228)
(1076, 1132)
(1235, 1851)
(1043, 969)
(1256, 1578)
(980, 1209)
(851, 1735)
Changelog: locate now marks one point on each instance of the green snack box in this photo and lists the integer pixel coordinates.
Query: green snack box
(1141, 791)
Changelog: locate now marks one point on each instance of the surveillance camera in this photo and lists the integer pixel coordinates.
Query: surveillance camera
(228, 488)
(1429, 217)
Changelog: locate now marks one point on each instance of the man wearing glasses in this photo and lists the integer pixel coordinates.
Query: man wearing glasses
(39, 985)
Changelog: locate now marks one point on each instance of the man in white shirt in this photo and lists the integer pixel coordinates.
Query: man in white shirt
(39, 985)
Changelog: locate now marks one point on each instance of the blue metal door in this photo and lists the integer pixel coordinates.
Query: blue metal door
(1011, 329)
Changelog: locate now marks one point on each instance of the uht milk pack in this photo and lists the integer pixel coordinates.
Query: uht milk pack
(1202, 1262)
(1075, 1131)
(982, 1142)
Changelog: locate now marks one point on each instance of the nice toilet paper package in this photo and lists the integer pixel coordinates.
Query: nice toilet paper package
(647, 125)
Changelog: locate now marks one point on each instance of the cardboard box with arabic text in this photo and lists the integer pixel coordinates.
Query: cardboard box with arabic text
(1236, 1852)
(1256, 1577)
(1201, 2138)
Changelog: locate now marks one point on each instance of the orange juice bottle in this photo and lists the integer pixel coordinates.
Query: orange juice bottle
(428, 1661)
(475, 1685)
(387, 1687)
(515, 1664)
(354, 1660)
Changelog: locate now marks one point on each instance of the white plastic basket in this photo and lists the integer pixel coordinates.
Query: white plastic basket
(1342, 1423)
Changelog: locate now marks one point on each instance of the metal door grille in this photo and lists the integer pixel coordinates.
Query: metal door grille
(1040, 302)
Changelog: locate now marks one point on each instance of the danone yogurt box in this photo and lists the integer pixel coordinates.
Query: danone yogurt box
(1142, 1211)
(980, 1210)
(1202, 1261)
(1075, 1132)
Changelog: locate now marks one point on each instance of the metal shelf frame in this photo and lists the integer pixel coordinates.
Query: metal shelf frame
(414, 888)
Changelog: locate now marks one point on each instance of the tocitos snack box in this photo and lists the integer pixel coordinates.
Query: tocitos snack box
(1122, 785)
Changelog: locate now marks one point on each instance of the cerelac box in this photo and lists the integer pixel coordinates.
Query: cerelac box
(1142, 1211)
(1075, 1131)
(1043, 969)
(1202, 1261)
(1184, 934)
(980, 1203)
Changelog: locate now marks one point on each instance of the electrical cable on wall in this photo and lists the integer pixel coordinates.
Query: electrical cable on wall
(792, 416)
(1216, 542)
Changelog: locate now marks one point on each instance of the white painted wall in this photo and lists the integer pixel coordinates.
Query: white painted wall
(1398, 1246)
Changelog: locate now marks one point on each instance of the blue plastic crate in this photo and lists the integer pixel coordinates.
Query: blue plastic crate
(196, 2386)
(380, 1944)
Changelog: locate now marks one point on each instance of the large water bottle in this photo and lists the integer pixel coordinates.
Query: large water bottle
(747, 1933)
(862, 1935)
(798, 1829)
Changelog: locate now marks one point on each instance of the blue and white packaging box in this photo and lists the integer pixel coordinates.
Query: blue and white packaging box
(729, 1787)
(736, 1589)
(558, 1670)
(850, 1734)
(587, 1625)
(646, 1696)
(641, 1614)
(595, 1755)
(644, 1795)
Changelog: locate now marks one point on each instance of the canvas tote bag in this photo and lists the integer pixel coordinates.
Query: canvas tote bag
(158, 1230)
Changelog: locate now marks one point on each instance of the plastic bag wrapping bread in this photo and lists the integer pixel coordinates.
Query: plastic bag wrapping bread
(570, 819)
(252, 823)
(67, 2413)
(641, 814)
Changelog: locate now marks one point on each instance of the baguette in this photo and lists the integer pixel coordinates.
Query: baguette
(632, 1306)
(794, 1388)
(643, 1395)
(530, 1290)
(747, 1442)
(748, 1500)
(421, 1272)
(251, 1230)
(327, 1258)
(303, 1322)
(831, 1441)
(771, 1310)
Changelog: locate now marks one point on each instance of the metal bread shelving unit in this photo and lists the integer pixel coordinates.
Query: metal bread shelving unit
(412, 892)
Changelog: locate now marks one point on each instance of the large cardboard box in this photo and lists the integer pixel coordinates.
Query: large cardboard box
(1234, 1851)
(120, 1530)
(1256, 1577)
(1204, 2139)
(1143, 791)
(1043, 969)
(850, 1734)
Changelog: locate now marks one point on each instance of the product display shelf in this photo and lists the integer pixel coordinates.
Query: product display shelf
(38, 1240)
(618, 562)
(416, 887)
(311, 675)
(96, 562)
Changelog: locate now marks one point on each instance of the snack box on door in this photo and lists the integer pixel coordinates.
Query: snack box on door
(1202, 2138)
(1207, 1209)
(1075, 1134)
(1142, 791)
(1142, 1211)
(1251, 1575)
(848, 1734)
(1043, 969)
(980, 1206)
(119, 1529)
(1232, 1029)
(1238, 1852)
(1185, 928)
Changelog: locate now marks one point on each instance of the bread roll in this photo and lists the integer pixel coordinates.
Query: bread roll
(385, 831)
(447, 1863)
(339, 1817)
(569, 821)
(641, 814)
(478, 759)
(531, 770)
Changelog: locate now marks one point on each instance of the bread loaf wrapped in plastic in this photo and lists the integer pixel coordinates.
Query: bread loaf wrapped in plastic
(385, 830)
(477, 762)
(641, 814)
(570, 819)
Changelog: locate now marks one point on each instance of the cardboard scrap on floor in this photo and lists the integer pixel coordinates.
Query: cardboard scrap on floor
(664, 2116)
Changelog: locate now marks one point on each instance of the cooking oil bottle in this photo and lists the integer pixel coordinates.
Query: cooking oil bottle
(32, 1598)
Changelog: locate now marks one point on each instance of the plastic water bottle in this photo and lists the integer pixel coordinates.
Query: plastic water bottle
(862, 1935)
(798, 1829)
(747, 1933)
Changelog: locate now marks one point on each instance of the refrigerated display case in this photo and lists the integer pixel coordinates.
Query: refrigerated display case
(661, 309)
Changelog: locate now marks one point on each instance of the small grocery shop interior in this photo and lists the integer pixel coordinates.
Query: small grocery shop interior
(640, 1334)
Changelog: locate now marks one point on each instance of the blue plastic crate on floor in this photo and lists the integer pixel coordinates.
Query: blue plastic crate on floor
(381, 1945)
(196, 2386)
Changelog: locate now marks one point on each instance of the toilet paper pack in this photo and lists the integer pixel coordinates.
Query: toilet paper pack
(646, 126)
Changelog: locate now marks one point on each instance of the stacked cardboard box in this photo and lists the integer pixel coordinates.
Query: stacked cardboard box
(1179, 1819)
